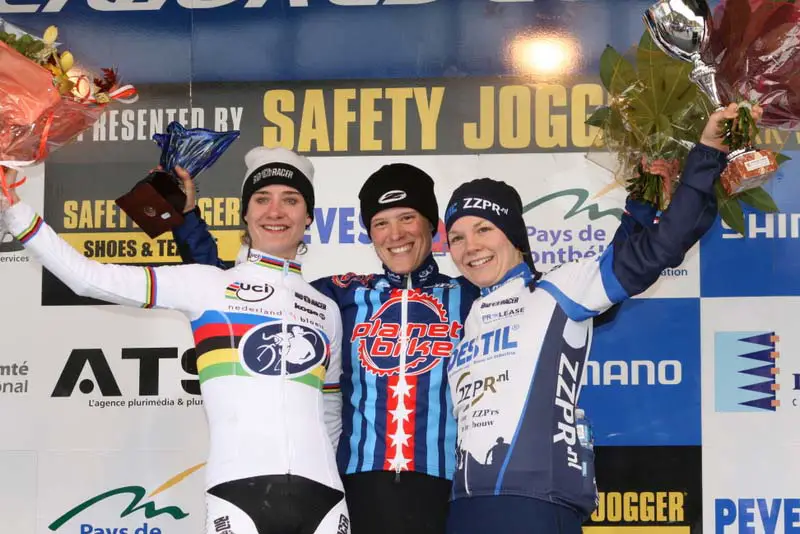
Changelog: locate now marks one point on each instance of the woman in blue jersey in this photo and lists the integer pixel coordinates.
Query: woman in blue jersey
(268, 346)
(516, 375)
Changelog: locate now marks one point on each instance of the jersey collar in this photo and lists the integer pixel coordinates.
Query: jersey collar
(423, 274)
(262, 259)
(521, 271)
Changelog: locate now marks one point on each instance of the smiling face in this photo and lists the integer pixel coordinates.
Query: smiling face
(402, 238)
(481, 251)
(276, 220)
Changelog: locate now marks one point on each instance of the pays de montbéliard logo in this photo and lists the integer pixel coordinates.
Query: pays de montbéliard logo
(147, 508)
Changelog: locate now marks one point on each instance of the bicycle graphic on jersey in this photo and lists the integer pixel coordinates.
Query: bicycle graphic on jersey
(295, 344)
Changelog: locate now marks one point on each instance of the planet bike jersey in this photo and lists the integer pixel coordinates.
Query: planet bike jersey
(515, 377)
(267, 346)
(399, 333)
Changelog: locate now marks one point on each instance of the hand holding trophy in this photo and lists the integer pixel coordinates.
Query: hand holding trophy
(745, 55)
(158, 201)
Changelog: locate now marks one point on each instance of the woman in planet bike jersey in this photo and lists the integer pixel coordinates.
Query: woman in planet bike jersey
(515, 377)
(397, 448)
(265, 353)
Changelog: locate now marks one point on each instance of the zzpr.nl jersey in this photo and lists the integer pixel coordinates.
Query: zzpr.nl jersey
(516, 375)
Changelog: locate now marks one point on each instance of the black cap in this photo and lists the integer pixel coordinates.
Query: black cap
(399, 185)
(494, 201)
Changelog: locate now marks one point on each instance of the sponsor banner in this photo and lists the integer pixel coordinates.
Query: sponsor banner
(18, 487)
(152, 492)
(763, 261)
(647, 490)
(751, 398)
(130, 372)
(641, 384)
(754, 511)
(751, 374)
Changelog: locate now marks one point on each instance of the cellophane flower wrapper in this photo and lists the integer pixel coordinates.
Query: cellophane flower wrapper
(754, 47)
(194, 149)
(654, 117)
(43, 108)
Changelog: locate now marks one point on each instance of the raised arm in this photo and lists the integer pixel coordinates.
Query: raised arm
(634, 260)
(148, 287)
(193, 238)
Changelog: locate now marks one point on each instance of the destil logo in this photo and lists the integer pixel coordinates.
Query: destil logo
(149, 360)
(745, 371)
(494, 342)
(137, 494)
(428, 340)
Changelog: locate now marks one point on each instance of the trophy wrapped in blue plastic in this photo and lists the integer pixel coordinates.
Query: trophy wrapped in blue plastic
(156, 203)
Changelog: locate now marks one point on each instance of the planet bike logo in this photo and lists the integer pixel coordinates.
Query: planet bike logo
(249, 292)
(265, 348)
(138, 494)
(429, 339)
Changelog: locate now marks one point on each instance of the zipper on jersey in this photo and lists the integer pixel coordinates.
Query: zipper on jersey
(285, 354)
(403, 349)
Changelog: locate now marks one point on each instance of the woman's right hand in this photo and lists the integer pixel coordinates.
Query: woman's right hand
(188, 186)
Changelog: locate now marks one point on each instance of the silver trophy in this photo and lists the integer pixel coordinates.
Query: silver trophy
(681, 29)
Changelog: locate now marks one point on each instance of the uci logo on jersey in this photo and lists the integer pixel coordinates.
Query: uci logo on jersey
(265, 347)
(249, 292)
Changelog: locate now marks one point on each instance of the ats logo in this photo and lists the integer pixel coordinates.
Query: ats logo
(137, 494)
(428, 341)
(746, 372)
(146, 362)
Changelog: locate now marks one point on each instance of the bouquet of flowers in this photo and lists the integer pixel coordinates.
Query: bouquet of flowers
(46, 100)
(753, 48)
(654, 117)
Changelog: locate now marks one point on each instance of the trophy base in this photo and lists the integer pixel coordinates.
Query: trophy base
(748, 168)
(156, 203)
